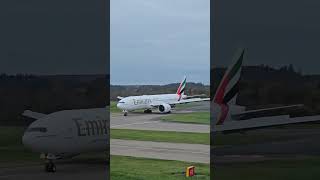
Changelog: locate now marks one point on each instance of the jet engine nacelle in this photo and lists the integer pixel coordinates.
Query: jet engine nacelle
(164, 108)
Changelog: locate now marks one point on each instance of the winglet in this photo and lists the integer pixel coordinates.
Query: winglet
(34, 115)
(119, 97)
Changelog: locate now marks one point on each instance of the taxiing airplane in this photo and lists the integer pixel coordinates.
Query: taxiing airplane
(230, 117)
(67, 133)
(164, 102)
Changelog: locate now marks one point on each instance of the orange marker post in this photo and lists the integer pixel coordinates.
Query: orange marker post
(190, 171)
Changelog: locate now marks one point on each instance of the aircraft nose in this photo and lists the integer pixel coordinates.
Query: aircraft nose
(120, 105)
(27, 140)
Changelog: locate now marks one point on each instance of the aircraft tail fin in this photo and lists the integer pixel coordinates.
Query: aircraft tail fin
(182, 86)
(227, 91)
(229, 85)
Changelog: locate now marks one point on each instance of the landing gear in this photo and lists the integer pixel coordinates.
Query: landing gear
(125, 113)
(50, 166)
(147, 111)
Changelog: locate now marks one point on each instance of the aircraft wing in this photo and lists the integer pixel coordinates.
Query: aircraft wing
(282, 110)
(184, 101)
(257, 123)
(34, 115)
(197, 96)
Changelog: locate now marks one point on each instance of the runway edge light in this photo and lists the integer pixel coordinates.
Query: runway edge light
(190, 171)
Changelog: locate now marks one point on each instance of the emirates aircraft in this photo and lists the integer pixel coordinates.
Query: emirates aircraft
(67, 133)
(226, 115)
(163, 102)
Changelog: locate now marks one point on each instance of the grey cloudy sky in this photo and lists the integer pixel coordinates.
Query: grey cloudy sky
(275, 32)
(52, 37)
(159, 41)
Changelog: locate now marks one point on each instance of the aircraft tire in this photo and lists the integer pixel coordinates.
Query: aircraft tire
(50, 167)
(148, 111)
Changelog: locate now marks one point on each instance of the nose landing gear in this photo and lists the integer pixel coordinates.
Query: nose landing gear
(125, 113)
(50, 166)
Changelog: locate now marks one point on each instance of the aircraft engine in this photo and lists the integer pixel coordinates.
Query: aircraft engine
(164, 108)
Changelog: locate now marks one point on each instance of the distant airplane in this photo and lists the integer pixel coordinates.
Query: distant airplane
(67, 133)
(228, 116)
(163, 102)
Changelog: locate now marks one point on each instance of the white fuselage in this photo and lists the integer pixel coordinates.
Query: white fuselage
(69, 132)
(132, 103)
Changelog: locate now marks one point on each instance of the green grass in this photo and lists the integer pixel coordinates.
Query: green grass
(195, 118)
(161, 136)
(11, 148)
(250, 138)
(129, 168)
(282, 169)
(113, 107)
(183, 106)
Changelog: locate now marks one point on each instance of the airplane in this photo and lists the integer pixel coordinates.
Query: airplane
(227, 116)
(67, 133)
(164, 102)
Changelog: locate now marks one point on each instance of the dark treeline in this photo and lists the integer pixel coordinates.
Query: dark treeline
(131, 90)
(48, 94)
(263, 86)
(260, 86)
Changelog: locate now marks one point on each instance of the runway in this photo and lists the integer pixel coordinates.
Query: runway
(161, 150)
(295, 142)
(141, 121)
(75, 169)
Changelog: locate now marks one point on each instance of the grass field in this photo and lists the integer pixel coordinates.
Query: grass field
(113, 107)
(235, 139)
(161, 136)
(284, 169)
(11, 148)
(195, 118)
(129, 168)
(184, 106)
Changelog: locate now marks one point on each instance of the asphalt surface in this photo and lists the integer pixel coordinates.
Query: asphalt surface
(161, 150)
(153, 122)
(143, 121)
(75, 169)
(296, 142)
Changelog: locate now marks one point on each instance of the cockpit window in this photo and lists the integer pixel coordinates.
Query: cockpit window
(37, 129)
(121, 102)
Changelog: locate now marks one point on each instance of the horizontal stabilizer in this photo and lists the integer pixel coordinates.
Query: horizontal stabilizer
(34, 115)
(257, 123)
(196, 96)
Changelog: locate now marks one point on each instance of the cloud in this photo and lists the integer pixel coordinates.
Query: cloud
(159, 37)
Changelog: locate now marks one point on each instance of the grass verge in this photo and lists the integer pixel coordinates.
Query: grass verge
(161, 136)
(194, 118)
(282, 169)
(11, 148)
(129, 168)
